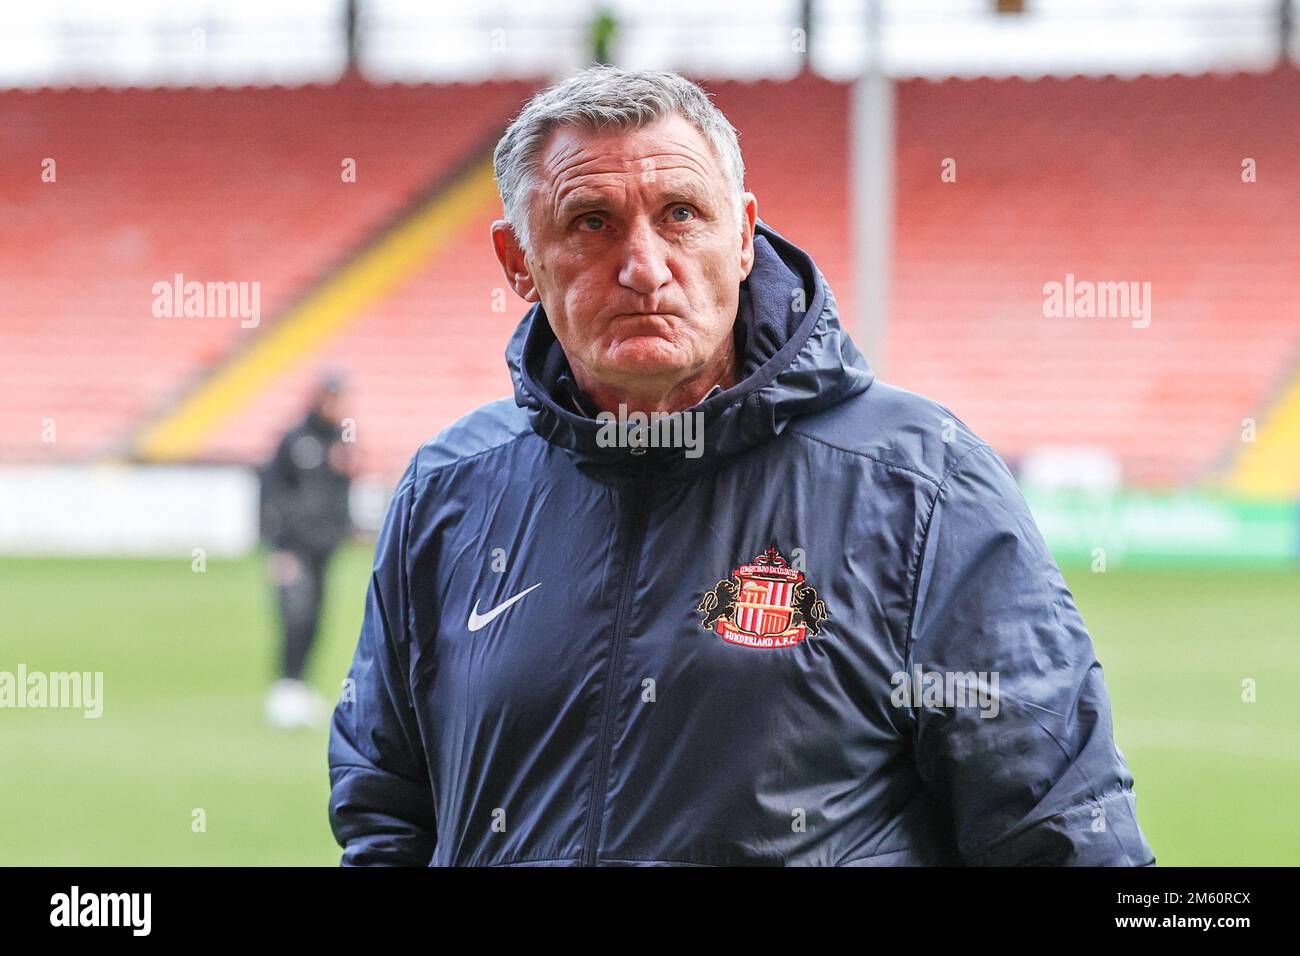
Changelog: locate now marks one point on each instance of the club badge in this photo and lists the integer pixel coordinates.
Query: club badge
(765, 603)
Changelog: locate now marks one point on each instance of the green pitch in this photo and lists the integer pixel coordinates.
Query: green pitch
(187, 658)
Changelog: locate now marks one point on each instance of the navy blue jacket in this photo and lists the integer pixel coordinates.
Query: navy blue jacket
(833, 638)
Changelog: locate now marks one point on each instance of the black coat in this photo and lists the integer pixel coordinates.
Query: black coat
(575, 654)
(305, 488)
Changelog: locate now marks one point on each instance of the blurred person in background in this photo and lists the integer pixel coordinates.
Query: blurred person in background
(304, 518)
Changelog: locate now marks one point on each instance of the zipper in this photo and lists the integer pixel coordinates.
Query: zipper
(600, 788)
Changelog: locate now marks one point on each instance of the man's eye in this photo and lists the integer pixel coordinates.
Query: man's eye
(681, 213)
(591, 223)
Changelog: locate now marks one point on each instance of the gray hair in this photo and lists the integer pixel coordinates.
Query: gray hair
(605, 97)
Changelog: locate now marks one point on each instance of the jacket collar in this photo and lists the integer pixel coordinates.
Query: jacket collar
(795, 359)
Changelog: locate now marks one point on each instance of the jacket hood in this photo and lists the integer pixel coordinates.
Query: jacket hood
(795, 359)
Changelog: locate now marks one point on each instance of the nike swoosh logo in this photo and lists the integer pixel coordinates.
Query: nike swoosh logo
(477, 620)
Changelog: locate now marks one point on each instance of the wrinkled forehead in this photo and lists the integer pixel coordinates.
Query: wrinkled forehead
(668, 150)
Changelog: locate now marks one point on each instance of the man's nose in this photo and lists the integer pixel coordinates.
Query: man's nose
(645, 261)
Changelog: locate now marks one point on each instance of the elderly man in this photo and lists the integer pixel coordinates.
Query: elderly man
(827, 632)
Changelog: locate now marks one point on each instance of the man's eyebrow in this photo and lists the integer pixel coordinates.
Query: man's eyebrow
(688, 192)
(581, 199)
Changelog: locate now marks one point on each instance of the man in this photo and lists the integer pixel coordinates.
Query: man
(304, 517)
(586, 645)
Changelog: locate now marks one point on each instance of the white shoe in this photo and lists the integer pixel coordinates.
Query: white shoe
(292, 703)
(318, 709)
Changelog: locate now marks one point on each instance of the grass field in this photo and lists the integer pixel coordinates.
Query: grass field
(186, 659)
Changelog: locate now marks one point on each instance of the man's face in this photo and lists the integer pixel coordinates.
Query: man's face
(637, 254)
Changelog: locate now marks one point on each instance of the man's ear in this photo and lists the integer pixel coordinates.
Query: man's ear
(747, 235)
(513, 261)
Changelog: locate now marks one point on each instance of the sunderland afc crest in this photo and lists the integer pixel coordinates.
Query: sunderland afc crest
(765, 603)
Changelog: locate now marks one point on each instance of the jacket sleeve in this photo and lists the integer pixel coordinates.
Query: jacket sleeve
(381, 806)
(278, 485)
(1030, 775)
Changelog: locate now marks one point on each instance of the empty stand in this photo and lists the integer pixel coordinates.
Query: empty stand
(215, 184)
(1109, 180)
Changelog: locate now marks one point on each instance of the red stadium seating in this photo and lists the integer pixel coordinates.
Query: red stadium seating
(1110, 180)
(218, 185)
(423, 356)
